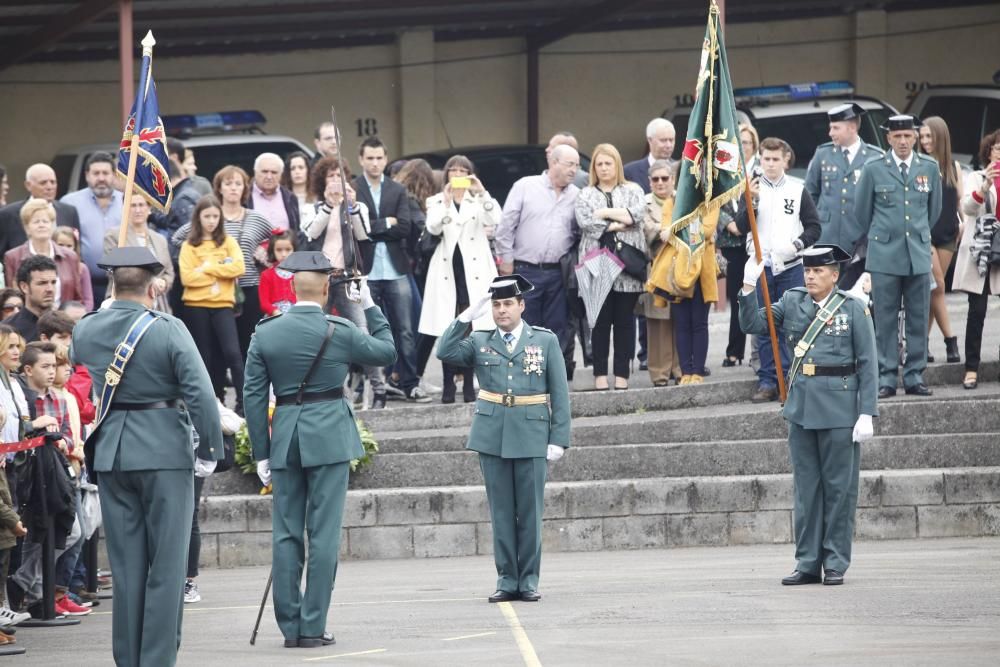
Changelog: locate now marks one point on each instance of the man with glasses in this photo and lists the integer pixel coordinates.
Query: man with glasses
(537, 230)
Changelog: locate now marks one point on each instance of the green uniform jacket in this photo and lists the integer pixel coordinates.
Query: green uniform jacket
(166, 365)
(281, 351)
(819, 402)
(898, 216)
(831, 182)
(522, 431)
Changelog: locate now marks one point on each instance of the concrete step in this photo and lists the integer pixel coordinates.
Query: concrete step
(716, 391)
(951, 412)
(618, 514)
(714, 458)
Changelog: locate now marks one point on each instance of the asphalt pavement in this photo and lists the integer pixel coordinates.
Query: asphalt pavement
(924, 602)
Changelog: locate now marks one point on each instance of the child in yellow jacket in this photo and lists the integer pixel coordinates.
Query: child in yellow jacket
(210, 263)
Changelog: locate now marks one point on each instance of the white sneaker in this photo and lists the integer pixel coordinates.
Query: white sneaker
(191, 593)
(9, 618)
(429, 387)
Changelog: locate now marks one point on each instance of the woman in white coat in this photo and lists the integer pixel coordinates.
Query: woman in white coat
(972, 273)
(464, 215)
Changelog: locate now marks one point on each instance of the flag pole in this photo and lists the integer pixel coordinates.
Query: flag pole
(775, 349)
(147, 50)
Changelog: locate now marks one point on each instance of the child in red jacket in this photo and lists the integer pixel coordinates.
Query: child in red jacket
(275, 292)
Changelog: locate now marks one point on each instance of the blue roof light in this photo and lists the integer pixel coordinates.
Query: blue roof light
(202, 123)
(809, 90)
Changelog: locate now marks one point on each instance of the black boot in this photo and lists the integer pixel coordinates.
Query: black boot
(468, 386)
(447, 383)
(951, 349)
(930, 357)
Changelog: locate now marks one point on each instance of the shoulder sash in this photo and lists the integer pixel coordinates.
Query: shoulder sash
(824, 315)
(123, 353)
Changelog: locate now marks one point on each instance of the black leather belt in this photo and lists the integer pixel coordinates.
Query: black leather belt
(545, 267)
(154, 405)
(829, 371)
(310, 397)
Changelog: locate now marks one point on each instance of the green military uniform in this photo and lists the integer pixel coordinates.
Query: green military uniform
(144, 456)
(897, 214)
(831, 181)
(822, 409)
(310, 445)
(512, 440)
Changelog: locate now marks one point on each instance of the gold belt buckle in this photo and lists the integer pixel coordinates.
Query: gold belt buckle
(809, 369)
(508, 400)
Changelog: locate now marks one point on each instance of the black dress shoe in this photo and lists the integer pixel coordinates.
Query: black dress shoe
(886, 392)
(315, 642)
(833, 578)
(919, 390)
(530, 596)
(292, 643)
(503, 596)
(800, 578)
(729, 362)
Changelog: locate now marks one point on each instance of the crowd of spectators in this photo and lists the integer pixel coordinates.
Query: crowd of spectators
(430, 243)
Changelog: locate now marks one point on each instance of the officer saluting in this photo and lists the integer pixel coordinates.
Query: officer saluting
(832, 388)
(305, 354)
(144, 363)
(522, 419)
(831, 179)
(898, 200)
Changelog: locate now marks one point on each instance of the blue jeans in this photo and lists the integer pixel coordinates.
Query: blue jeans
(793, 276)
(546, 305)
(395, 298)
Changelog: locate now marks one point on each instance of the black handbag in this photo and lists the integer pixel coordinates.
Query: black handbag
(993, 257)
(427, 244)
(635, 260)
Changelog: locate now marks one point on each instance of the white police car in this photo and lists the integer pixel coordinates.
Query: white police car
(217, 139)
(797, 114)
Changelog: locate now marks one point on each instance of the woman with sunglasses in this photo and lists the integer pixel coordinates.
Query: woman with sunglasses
(11, 301)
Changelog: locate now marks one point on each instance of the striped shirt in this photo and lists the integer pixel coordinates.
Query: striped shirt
(249, 233)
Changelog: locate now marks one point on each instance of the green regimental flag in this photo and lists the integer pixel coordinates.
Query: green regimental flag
(711, 171)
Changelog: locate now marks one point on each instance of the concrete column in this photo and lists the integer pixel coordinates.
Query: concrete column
(417, 106)
(870, 70)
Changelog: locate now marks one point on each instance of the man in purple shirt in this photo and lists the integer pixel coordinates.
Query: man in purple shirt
(271, 199)
(536, 231)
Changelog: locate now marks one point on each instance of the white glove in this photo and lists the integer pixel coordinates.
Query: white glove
(554, 453)
(752, 271)
(203, 468)
(364, 294)
(264, 471)
(863, 429)
(476, 310)
(786, 252)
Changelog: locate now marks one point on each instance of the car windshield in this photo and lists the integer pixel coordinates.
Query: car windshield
(212, 158)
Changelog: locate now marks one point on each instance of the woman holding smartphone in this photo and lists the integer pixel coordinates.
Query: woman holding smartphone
(973, 273)
(461, 269)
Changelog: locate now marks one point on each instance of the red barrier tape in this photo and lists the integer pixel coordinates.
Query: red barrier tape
(30, 443)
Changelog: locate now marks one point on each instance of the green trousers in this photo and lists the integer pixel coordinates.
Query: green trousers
(826, 467)
(889, 294)
(515, 491)
(147, 526)
(306, 500)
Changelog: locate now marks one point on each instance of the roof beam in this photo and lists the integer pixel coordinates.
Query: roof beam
(18, 49)
(587, 17)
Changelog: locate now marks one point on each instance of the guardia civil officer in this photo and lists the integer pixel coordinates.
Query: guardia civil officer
(831, 179)
(305, 355)
(898, 200)
(832, 386)
(153, 388)
(521, 420)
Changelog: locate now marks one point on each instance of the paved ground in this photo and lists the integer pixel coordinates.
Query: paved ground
(928, 602)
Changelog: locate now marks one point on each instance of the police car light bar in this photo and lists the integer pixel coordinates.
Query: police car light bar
(794, 92)
(203, 123)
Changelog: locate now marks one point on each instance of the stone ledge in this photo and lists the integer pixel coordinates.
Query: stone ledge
(619, 514)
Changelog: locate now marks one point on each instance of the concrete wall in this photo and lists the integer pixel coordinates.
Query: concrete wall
(476, 89)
